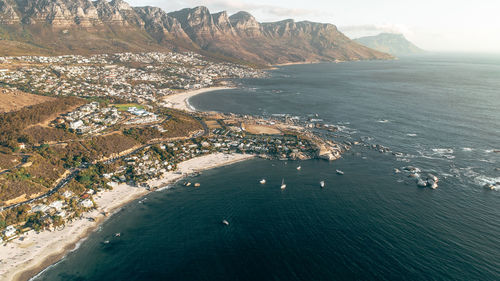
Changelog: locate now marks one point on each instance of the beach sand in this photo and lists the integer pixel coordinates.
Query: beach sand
(21, 260)
(181, 100)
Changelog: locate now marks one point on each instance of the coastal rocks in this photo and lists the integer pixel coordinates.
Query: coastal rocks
(421, 183)
(329, 155)
(412, 169)
(430, 180)
(492, 187)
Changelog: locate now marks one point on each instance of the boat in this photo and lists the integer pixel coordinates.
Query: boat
(106, 242)
(283, 185)
(322, 184)
(339, 172)
(118, 234)
(225, 222)
(262, 181)
(197, 184)
(299, 167)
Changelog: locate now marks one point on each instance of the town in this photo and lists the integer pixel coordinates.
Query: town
(118, 129)
(141, 78)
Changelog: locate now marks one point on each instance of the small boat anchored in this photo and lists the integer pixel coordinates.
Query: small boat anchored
(298, 168)
(225, 222)
(322, 184)
(283, 185)
(339, 172)
(262, 181)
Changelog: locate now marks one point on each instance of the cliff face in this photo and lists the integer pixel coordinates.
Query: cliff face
(82, 26)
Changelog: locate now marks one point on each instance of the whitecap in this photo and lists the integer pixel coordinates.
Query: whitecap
(483, 179)
(411, 135)
(467, 149)
(443, 150)
(383, 121)
(164, 188)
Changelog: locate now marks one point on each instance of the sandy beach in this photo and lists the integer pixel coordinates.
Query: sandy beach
(26, 256)
(181, 100)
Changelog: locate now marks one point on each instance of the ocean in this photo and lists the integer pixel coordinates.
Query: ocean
(438, 112)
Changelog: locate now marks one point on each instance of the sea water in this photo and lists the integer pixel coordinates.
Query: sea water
(439, 112)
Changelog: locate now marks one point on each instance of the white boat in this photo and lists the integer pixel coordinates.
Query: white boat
(339, 172)
(118, 234)
(262, 181)
(299, 167)
(225, 222)
(283, 185)
(322, 184)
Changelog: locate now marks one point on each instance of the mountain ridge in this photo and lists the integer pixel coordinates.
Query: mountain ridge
(391, 43)
(84, 26)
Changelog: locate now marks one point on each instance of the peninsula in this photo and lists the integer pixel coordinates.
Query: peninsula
(90, 133)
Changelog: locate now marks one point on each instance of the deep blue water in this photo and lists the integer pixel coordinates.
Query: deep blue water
(441, 112)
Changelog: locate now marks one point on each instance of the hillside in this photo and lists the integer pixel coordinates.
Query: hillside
(394, 44)
(84, 27)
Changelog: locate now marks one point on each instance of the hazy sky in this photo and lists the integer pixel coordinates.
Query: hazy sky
(434, 25)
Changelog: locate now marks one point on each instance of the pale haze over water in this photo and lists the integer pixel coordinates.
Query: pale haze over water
(442, 26)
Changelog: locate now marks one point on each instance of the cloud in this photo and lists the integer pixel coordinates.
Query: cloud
(355, 31)
(261, 11)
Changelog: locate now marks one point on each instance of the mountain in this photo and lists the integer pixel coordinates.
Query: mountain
(86, 27)
(391, 43)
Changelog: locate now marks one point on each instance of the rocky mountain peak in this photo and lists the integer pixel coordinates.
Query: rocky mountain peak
(245, 24)
(221, 20)
(120, 5)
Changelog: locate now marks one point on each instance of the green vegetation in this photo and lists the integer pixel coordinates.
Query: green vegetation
(126, 106)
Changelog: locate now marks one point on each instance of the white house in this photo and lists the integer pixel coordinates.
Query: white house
(75, 125)
(9, 231)
(87, 203)
(57, 205)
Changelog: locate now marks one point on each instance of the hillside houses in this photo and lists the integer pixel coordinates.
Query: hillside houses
(143, 77)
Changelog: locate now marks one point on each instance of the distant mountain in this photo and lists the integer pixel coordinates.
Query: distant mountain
(85, 27)
(391, 43)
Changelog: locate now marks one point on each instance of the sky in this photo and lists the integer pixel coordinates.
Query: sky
(433, 25)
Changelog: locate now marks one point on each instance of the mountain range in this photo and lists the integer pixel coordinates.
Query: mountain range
(391, 43)
(85, 27)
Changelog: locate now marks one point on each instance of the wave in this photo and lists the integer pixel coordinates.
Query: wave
(168, 186)
(383, 121)
(411, 135)
(483, 179)
(467, 149)
(443, 150)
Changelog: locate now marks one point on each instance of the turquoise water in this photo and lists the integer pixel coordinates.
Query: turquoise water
(441, 113)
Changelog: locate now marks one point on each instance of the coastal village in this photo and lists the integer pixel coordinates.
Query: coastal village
(123, 130)
(144, 77)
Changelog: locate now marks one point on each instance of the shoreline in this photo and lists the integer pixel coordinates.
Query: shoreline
(181, 100)
(22, 260)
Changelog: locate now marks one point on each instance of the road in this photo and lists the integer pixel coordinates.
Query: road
(74, 172)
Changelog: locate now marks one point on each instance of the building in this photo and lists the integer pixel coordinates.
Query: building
(10, 231)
